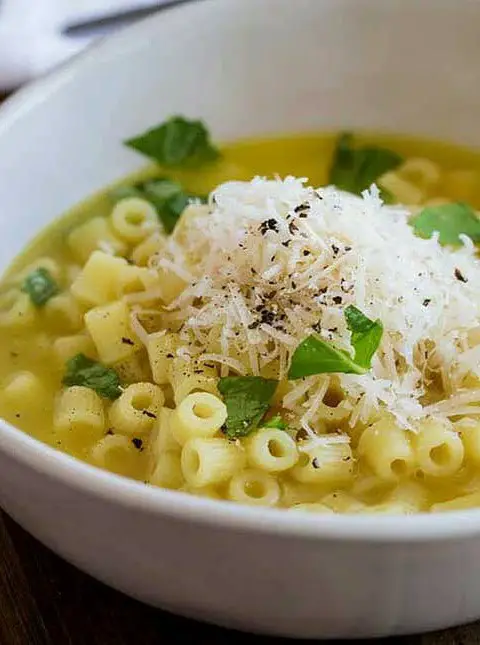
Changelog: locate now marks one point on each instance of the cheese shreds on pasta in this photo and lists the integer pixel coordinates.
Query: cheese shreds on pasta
(269, 262)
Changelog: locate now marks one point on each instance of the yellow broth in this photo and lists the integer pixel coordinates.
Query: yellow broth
(29, 347)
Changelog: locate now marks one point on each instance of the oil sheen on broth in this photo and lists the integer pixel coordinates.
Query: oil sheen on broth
(32, 360)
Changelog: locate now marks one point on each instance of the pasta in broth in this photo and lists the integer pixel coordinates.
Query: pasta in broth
(272, 344)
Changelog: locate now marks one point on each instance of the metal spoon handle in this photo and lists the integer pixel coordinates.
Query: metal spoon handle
(116, 20)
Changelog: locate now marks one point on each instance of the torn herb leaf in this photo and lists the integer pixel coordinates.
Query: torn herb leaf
(317, 356)
(247, 399)
(356, 169)
(40, 286)
(450, 221)
(84, 371)
(366, 335)
(178, 142)
(167, 196)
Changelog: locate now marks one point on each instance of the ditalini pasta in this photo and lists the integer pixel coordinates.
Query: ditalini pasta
(276, 342)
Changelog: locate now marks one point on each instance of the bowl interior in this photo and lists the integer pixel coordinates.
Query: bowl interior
(247, 68)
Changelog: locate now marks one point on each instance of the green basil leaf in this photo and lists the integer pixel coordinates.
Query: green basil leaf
(450, 220)
(247, 399)
(40, 286)
(356, 169)
(366, 335)
(275, 422)
(317, 356)
(166, 195)
(82, 370)
(169, 199)
(176, 142)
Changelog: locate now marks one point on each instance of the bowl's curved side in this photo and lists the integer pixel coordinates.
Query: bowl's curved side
(246, 68)
(273, 583)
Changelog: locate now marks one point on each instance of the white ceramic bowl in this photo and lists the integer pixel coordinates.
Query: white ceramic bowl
(247, 67)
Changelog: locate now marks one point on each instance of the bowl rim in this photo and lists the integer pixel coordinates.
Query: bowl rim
(69, 471)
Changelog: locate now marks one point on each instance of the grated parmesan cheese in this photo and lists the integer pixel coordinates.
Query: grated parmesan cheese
(273, 260)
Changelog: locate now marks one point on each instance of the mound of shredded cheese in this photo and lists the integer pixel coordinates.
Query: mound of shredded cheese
(268, 262)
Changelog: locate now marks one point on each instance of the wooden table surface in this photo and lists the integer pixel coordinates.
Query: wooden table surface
(45, 601)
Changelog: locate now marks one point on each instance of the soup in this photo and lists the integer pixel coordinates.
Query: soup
(271, 344)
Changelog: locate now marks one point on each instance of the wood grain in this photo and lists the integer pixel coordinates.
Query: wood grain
(20, 618)
(45, 601)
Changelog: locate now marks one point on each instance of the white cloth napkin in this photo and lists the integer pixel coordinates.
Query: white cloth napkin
(31, 38)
